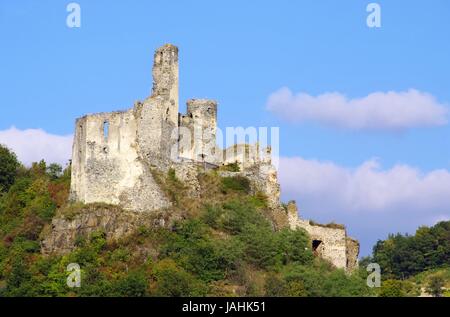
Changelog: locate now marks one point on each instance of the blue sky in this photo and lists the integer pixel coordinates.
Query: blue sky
(240, 53)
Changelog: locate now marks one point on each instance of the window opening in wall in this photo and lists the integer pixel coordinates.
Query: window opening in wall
(106, 130)
(316, 247)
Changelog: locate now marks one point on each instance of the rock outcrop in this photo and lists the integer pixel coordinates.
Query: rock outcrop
(113, 221)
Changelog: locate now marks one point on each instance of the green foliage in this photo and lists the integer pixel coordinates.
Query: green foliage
(8, 168)
(18, 281)
(314, 280)
(134, 284)
(54, 171)
(172, 176)
(435, 285)
(197, 252)
(275, 286)
(391, 288)
(172, 186)
(229, 247)
(291, 246)
(263, 246)
(235, 183)
(233, 216)
(401, 256)
(260, 246)
(171, 280)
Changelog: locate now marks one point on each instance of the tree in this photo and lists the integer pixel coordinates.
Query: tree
(54, 170)
(18, 281)
(133, 284)
(402, 256)
(435, 285)
(8, 168)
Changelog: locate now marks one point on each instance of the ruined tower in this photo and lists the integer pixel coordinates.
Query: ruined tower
(158, 115)
(165, 80)
(200, 125)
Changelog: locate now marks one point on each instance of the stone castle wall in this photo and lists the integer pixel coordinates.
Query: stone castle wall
(199, 126)
(115, 154)
(329, 242)
(107, 165)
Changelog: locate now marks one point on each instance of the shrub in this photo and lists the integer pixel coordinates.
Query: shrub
(292, 246)
(197, 252)
(134, 284)
(435, 285)
(391, 288)
(235, 183)
(235, 215)
(18, 281)
(171, 280)
(260, 246)
(275, 286)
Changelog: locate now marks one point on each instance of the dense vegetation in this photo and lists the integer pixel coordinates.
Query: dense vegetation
(226, 246)
(412, 264)
(401, 256)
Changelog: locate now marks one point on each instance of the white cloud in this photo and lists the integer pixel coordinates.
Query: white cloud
(377, 111)
(33, 145)
(370, 200)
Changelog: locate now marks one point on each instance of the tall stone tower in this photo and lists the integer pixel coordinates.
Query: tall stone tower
(158, 114)
(165, 79)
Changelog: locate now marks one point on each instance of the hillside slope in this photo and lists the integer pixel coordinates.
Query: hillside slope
(224, 243)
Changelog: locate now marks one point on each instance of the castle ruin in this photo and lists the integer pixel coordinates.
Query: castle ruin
(114, 154)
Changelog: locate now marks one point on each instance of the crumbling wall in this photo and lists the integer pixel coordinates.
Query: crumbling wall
(114, 152)
(245, 155)
(330, 242)
(157, 116)
(106, 165)
(198, 131)
(188, 172)
(263, 179)
(332, 246)
(352, 254)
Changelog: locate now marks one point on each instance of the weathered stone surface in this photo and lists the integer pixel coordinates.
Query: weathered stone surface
(352, 254)
(188, 172)
(198, 131)
(263, 179)
(113, 221)
(328, 241)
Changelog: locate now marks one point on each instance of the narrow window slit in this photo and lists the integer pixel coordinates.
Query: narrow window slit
(106, 130)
